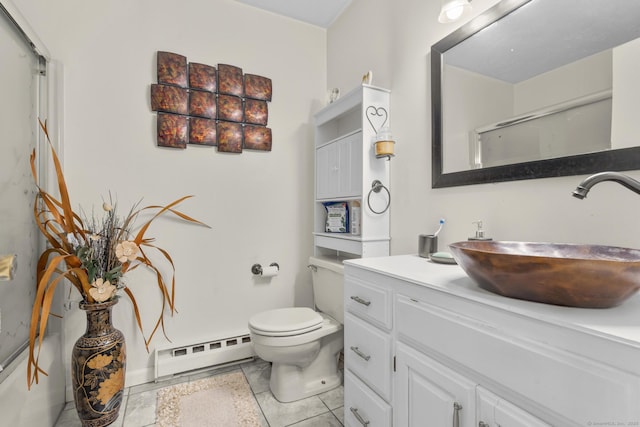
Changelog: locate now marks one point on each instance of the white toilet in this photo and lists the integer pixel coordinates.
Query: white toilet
(302, 344)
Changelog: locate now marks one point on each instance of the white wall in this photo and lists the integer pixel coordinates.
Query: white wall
(532, 210)
(258, 203)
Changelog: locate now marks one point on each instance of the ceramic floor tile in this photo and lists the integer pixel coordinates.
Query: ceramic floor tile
(119, 422)
(69, 416)
(339, 413)
(141, 409)
(283, 414)
(258, 374)
(262, 418)
(333, 398)
(323, 420)
(166, 382)
(254, 362)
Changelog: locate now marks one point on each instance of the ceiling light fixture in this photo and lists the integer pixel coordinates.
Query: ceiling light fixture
(452, 10)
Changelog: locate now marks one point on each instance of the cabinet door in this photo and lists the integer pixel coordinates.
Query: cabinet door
(486, 405)
(350, 165)
(327, 171)
(494, 411)
(429, 394)
(339, 168)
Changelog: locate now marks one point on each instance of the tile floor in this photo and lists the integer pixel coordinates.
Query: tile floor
(139, 405)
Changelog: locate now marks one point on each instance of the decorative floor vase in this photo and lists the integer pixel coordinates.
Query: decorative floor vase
(98, 367)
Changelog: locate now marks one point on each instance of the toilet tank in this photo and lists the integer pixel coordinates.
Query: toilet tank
(328, 286)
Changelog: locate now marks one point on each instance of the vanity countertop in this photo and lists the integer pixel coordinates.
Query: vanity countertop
(621, 324)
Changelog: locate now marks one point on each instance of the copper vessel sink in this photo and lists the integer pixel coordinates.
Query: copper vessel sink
(588, 276)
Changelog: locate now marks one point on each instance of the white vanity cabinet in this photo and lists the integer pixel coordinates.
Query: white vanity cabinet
(346, 168)
(460, 356)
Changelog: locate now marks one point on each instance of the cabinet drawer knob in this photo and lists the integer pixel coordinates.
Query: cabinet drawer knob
(359, 353)
(361, 420)
(361, 301)
(456, 414)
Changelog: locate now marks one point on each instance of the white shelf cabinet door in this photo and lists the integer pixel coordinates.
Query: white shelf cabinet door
(339, 168)
(430, 394)
(327, 171)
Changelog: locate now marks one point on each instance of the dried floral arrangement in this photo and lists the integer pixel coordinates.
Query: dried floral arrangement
(93, 254)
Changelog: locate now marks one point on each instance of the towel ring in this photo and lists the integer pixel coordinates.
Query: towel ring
(376, 186)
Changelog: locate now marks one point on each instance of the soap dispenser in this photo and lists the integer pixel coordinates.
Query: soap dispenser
(479, 232)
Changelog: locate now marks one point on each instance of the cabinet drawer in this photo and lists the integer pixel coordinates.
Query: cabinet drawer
(367, 353)
(360, 400)
(368, 301)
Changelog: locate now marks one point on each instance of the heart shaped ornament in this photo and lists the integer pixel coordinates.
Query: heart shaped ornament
(377, 117)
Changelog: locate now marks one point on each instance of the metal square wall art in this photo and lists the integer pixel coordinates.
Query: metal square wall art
(170, 99)
(172, 130)
(172, 69)
(257, 87)
(230, 108)
(255, 112)
(201, 104)
(230, 80)
(230, 137)
(203, 77)
(257, 138)
(202, 131)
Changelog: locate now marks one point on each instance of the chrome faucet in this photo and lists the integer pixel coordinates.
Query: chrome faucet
(583, 188)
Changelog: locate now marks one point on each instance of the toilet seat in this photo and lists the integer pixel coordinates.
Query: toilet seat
(283, 322)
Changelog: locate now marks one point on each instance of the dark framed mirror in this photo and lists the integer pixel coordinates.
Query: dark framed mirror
(560, 76)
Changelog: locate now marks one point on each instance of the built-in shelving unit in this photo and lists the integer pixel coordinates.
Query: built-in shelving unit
(345, 169)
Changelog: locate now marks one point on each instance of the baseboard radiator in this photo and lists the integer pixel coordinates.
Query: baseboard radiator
(205, 354)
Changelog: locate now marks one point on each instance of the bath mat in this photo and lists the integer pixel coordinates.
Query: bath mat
(221, 401)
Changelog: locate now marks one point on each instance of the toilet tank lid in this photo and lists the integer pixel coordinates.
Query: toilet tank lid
(333, 264)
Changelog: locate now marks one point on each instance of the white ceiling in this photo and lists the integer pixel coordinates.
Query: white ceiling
(321, 13)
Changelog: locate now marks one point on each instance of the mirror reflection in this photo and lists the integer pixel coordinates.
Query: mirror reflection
(530, 81)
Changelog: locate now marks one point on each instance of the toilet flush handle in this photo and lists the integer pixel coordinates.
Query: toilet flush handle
(312, 267)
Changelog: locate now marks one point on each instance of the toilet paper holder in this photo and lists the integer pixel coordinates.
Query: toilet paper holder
(257, 268)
